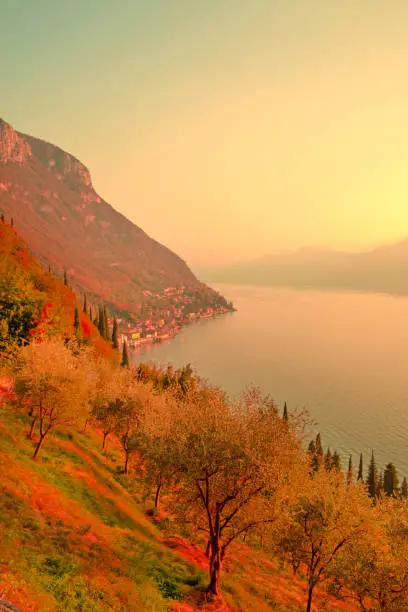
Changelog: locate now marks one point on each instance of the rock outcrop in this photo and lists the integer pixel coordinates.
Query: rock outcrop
(14, 148)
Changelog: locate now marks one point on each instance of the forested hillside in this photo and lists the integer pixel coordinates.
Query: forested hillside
(134, 488)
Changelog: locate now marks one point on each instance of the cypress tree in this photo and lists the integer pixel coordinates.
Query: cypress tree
(115, 343)
(2, 217)
(328, 460)
(90, 312)
(65, 278)
(105, 325)
(125, 356)
(319, 447)
(380, 484)
(100, 321)
(336, 463)
(12, 222)
(372, 477)
(350, 471)
(77, 324)
(312, 447)
(390, 480)
(404, 488)
(360, 468)
(285, 412)
(85, 307)
(313, 458)
(76, 319)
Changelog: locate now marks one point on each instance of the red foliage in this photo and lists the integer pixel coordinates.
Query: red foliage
(188, 551)
(86, 329)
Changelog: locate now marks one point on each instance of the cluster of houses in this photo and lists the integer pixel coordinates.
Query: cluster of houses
(168, 313)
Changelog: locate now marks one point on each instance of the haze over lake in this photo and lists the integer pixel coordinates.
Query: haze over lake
(341, 355)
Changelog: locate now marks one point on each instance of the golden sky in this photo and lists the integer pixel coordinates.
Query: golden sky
(226, 129)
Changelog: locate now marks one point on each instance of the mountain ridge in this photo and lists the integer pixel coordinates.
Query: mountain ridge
(381, 269)
(69, 226)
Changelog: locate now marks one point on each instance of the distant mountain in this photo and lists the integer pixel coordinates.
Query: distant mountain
(70, 227)
(383, 269)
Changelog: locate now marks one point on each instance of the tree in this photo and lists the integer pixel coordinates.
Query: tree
(133, 400)
(375, 569)
(328, 517)
(107, 400)
(85, 306)
(158, 445)
(54, 383)
(12, 222)
(101, 321)
(115, 342)
(125, 356)
(328, 460)
(390, 480)
(285, 412)
(336, 462)
(76, 321)
(372, 477)
(319, 446)
(105, 324)
(360, 468)
(20, 308)
(350, 471)
(404, 488)
(316, 452)
(235, 462)
(65, 278)
(2, 218)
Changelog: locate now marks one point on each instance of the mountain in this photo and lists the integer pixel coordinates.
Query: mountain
(383, 269)
(55, 208)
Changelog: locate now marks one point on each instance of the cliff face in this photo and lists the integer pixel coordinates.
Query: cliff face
(13, 147)
(49, 194)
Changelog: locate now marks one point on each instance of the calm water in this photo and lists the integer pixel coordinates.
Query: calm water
(341, 355)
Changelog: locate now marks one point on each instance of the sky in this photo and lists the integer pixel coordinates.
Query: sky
(226, 129)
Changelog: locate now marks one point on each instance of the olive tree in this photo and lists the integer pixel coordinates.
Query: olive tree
(133, 400)
(234, 461)
(54, 383)
(328, 517)
(106, 401)
(375, 570)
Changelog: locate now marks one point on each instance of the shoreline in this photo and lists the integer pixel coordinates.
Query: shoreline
(136, 345)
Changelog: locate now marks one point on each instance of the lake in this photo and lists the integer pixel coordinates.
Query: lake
(341, 355)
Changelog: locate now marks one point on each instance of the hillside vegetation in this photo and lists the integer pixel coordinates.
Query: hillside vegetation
(130, 488)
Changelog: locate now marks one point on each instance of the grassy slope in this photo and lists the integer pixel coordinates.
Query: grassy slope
(72, 537)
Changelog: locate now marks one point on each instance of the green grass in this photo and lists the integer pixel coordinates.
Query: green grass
(47, 556)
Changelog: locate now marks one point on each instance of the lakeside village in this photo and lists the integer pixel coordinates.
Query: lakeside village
(164, 314)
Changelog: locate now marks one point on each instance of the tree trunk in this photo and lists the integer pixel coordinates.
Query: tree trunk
(309, 598)
(208, 549)
(156, 499)
(215, 566)
(105, 435)
(31, 432)
(39, 445)
(85, 425)
(126, 470)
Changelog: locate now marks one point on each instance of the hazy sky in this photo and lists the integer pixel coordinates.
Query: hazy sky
(224, 128)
